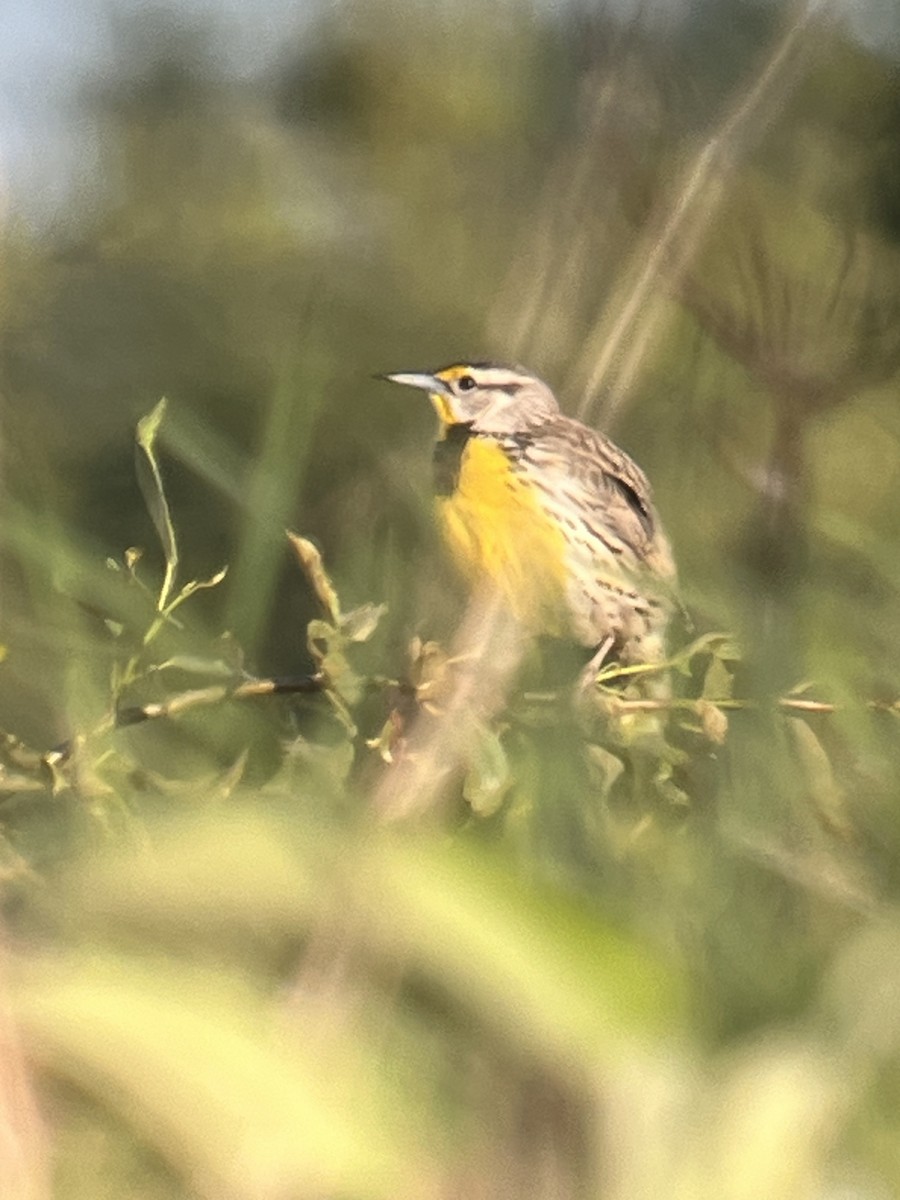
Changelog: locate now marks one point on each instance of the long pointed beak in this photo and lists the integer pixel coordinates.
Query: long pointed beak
(419, 379)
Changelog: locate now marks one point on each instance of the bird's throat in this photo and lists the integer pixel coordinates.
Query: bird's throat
(448, 453)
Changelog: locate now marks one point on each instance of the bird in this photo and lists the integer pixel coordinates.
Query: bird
(548, 512)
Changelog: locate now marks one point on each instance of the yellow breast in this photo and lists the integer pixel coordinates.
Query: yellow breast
(497, 531)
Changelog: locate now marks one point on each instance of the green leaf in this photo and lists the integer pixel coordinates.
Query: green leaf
(341, 676)
(489, 777)
(823, 790)
(718, 682)
(326, 645)
(606, 768)
(151, 485)
(321, 631)
(195, 664)
(718, 645)
(198, 585)
(361, 623)
(311, 561)
(328, 763)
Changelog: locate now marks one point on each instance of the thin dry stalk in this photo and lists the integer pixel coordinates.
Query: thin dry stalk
(486, 652)
(542, 280)
(659, 262)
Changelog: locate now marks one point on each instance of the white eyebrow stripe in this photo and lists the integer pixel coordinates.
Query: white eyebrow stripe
(498, 377)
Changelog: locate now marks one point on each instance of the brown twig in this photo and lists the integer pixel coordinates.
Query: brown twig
(203, 697)
(788, 703)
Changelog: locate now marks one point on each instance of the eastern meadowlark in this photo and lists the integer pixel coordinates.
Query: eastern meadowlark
(551, 513)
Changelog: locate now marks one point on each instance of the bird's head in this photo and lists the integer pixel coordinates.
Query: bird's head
(489, 397)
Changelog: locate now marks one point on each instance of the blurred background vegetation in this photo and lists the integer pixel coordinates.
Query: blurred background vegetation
(234, 965)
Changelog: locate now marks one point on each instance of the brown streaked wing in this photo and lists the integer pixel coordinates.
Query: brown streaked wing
(604, 483)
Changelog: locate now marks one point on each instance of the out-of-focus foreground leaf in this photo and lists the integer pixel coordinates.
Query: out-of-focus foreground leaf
(192, 1004)
(204, 1070)
(537, 962)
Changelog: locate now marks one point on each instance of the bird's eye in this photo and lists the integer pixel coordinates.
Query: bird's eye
(465, 383)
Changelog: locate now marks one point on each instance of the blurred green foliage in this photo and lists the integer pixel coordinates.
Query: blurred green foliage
(584, 961)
